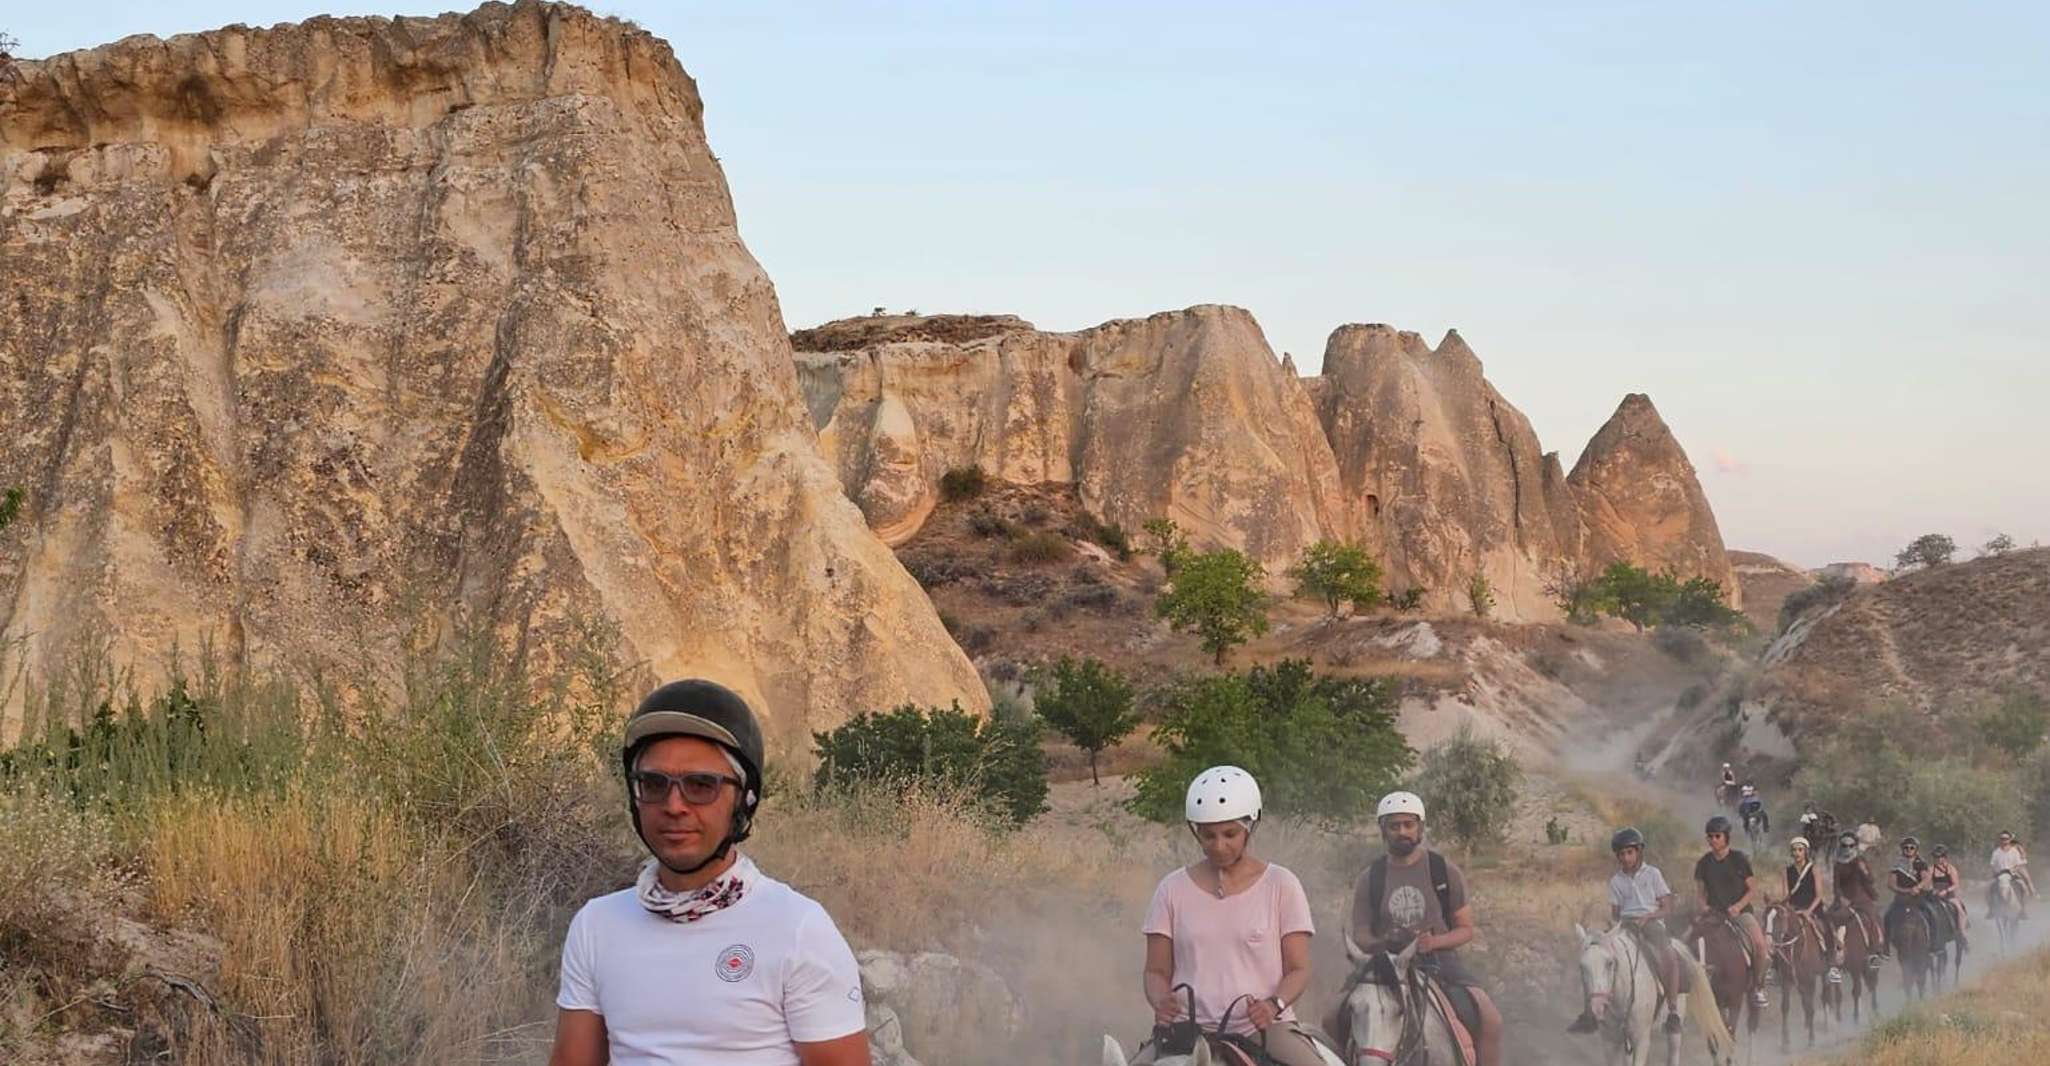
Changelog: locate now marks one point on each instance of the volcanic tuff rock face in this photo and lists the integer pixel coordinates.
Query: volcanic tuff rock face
(1184, 414)
(307, 327)
(1766, 583)
(1187, 415)
(1641, 502)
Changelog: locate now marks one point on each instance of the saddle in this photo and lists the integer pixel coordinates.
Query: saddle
(1712, 920)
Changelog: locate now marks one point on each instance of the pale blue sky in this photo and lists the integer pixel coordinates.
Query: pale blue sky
(1816, 233)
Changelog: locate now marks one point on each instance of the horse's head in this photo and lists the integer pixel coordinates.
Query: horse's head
(1601, 963)
(1374, 1010)
(1114, 1055)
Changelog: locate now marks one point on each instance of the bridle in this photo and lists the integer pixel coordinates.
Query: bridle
(1613, 943)
(1412, 993)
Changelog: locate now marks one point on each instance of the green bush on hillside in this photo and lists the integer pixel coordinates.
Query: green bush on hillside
(1337, 573)
(1217, 595)
(1088, 703)
(1469, 786)
(963, 483)
(1321, 747)
(944, 747)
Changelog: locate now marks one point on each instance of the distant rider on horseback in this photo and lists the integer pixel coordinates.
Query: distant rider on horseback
(1804, 898)
(1752, 807)
(1230, 932)
(1912, 889)
(1727, 884)
(1640, 900)
(1857, 893)
(1947, 883)
(1415, 894)
(2008, 857)
(1728, 787)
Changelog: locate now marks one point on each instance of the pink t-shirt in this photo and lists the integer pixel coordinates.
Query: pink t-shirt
(1230, 947)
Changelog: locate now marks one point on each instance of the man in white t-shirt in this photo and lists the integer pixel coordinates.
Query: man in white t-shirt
(2009, 857)
(705, 959)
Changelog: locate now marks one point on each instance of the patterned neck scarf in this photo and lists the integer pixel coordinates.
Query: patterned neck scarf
(723, 892)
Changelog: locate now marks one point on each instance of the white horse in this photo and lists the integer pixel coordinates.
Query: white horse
(1380, 1026)
(2007, 907)
(1114, 1055)
(1622, 994)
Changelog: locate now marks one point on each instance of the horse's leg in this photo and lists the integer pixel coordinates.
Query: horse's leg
(1786, 1009)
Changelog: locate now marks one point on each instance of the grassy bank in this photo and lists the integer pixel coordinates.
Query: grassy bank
(2000, 1019)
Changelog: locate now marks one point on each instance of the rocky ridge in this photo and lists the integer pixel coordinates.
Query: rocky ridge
(1188, 415)
(311, 326)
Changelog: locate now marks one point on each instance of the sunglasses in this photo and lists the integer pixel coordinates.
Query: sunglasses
(1718, 836)
(700, 788)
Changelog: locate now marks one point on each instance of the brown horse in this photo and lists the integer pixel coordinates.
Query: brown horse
(1720, 945)
(1913, 946)
(1800, 955)
(1857, 934)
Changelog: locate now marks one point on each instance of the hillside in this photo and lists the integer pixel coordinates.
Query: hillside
(1767, 582)
(1936, 639)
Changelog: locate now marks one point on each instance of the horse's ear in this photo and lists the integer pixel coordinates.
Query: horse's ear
(1113, 1055)
(1581, 932)
(1202, 1055)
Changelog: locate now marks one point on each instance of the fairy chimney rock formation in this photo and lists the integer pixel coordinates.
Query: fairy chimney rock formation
(1640, 501)
(322, 335)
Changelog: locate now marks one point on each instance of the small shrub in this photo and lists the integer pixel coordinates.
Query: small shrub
(1469, 785)
(1480, 595)
(2016, 724)
(10, 507)
(1166, 540)
(1551, 664)
(1692, 695)
(1035, 514)
(938, 747)
(1555, 834)
(1927, 550)
(962, 483)
(1681, 643)
(989, 524)
(1042, 547)
(2001, 544)
(1338, 573)
(1829, 590)
(1095, 598)
(1409, 599)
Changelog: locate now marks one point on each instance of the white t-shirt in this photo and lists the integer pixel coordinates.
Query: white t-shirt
(1635, 896)
(2007, 859)
(736, 987)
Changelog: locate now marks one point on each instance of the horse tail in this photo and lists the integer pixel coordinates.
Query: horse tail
(1722, 1047)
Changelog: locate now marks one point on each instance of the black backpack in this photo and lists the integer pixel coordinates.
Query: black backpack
(1377, 886)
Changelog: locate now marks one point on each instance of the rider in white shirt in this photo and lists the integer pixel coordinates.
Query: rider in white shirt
(705, 959)
(2009, 857)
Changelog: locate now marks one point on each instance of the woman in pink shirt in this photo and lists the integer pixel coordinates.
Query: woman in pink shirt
(1234, 929)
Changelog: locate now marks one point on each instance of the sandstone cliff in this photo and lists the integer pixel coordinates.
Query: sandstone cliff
(1185, 414)
(312, 329)
(1640, 501)
(1766, 582)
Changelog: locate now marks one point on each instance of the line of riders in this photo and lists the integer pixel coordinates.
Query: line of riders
(1228, 937)
(770, 981)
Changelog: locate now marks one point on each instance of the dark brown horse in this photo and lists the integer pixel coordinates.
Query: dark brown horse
(1857, 934)
(1801, 956)
(1913, 945)
(1720, 945)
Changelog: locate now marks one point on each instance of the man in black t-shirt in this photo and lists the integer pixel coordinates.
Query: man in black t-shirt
(1727, 884)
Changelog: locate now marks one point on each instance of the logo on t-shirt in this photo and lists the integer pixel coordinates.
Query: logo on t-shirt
(735, 963)
(1406, 906)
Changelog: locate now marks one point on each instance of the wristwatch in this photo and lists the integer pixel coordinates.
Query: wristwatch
(1279, 1006)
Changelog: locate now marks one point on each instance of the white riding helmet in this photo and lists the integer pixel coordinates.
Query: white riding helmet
(1751, 790)
(1222, 794)
(1400, 803)
(1798, 842)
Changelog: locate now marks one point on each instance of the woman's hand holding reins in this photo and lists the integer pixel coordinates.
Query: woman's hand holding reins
(1262, 1012)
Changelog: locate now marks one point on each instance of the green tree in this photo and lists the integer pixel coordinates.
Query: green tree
(999, 762)
(1166, 541)
(1088, 703)
(1217, 595)
(1469, 786)
(1480, 595)
(1637, 595)
(1929, 549)
(2001, 544)
(963, 483)
(1338, 573)
(10, 507)
(2016, 724)
(1583, 600)
(1699, 602)
(1321, 747)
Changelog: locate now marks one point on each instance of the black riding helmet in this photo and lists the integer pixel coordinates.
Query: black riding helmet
(711, 711)
(1718, 824)
(1626, 837)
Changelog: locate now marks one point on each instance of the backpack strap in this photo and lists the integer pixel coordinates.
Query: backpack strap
(1377, 886)
(1441, 881)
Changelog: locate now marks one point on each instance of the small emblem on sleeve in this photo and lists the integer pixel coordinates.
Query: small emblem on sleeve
(854, 994)
(735, 963)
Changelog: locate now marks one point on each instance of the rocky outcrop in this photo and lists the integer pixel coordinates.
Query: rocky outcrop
(936, 1007)
(1185, 414)
(322, 335)
(1855, 573)
(1445, 478)
(1640, 501)
(1766, 583)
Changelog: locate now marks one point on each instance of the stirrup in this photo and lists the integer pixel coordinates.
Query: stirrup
(1836, 975)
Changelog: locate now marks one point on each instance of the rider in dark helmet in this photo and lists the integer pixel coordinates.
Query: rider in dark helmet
(1948, 885)
(1912, 887)
(705, 958)
(1640, 901)
(1727, 884)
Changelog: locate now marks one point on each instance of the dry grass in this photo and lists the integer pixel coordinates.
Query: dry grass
(1997, 1021)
